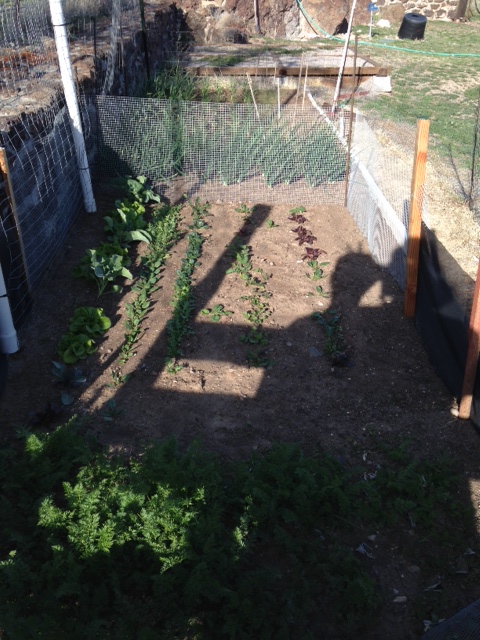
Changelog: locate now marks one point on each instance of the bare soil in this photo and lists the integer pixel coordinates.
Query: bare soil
(385, 392)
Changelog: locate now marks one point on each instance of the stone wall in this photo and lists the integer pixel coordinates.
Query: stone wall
(436, 10)
(210, 19)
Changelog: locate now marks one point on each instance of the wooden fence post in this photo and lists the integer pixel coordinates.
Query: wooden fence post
(352, 115)
(465, 406)
(7, 180)
(415, 216)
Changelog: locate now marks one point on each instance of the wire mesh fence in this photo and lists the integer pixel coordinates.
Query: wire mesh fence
(99, 36)
(224, 151)
(235, 152)
(47, 198)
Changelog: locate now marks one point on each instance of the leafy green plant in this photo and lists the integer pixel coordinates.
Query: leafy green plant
(188, 546)
(70, 377)
(335, 346)
(254, 336)
(75, 346)
(270, 224)
(139, 189)
(112, 411)
(259, 359)
(241, 265)
(126, 223)
(89, 320)
(317, 269)
(163, 230)
(104, 265)
(295, 211)
(200, 210)
(86, 324)
(216, 313)
(118, 378)
(259, 310)
(244, 210)
(182, 301)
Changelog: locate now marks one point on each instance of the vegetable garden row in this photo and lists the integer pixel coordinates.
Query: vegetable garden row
(110, 262)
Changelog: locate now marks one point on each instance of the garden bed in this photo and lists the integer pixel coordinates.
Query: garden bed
(284, 345)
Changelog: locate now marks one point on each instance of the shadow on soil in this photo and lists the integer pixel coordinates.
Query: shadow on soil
(314, 389)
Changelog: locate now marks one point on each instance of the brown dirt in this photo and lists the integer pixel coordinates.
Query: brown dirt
(387, 391)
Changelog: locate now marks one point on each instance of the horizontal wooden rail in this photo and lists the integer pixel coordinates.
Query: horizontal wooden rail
(282, 72)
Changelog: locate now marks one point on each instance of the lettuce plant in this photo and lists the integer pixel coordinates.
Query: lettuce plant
(78, 343)
(73, 348)
(89, 320)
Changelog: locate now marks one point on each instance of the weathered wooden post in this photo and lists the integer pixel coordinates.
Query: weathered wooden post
(415, 216)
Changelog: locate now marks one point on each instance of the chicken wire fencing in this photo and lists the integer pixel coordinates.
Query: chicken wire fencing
(243, 152)
(226, 152)
(100, 33)
(47, 199)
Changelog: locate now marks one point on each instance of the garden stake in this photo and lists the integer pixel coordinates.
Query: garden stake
(472, 354)
(298, 87)
(305, 86)
(352, 102)
(415, 216)
(7, 180)
(278, 96)
(249, 80)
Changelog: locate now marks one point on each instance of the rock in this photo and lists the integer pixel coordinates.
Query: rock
(400, 599)
(314, 353)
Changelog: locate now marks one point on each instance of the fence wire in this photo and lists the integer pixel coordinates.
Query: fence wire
(224, 151)
(48, 197)
(213, 151)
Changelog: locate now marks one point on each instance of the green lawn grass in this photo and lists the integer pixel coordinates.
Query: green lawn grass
(431, 78)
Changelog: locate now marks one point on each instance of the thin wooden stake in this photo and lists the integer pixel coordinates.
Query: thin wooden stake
(278, 97)
(465, 407)
(305, 86)
(415, 216)
(6, 178)
(249, 80)
(349, 142)
(298, 87)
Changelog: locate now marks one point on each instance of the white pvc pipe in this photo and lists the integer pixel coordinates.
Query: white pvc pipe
(8, 335)
(344, 57)
(63, 52)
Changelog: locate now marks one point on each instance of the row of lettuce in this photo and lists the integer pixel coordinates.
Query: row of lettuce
(108, 265)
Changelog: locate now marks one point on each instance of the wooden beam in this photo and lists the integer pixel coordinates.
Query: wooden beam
(465, 406)
(287, 71)
(415, 216)
(7, 181)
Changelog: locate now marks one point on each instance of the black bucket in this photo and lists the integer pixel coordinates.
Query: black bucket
(412, 27)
